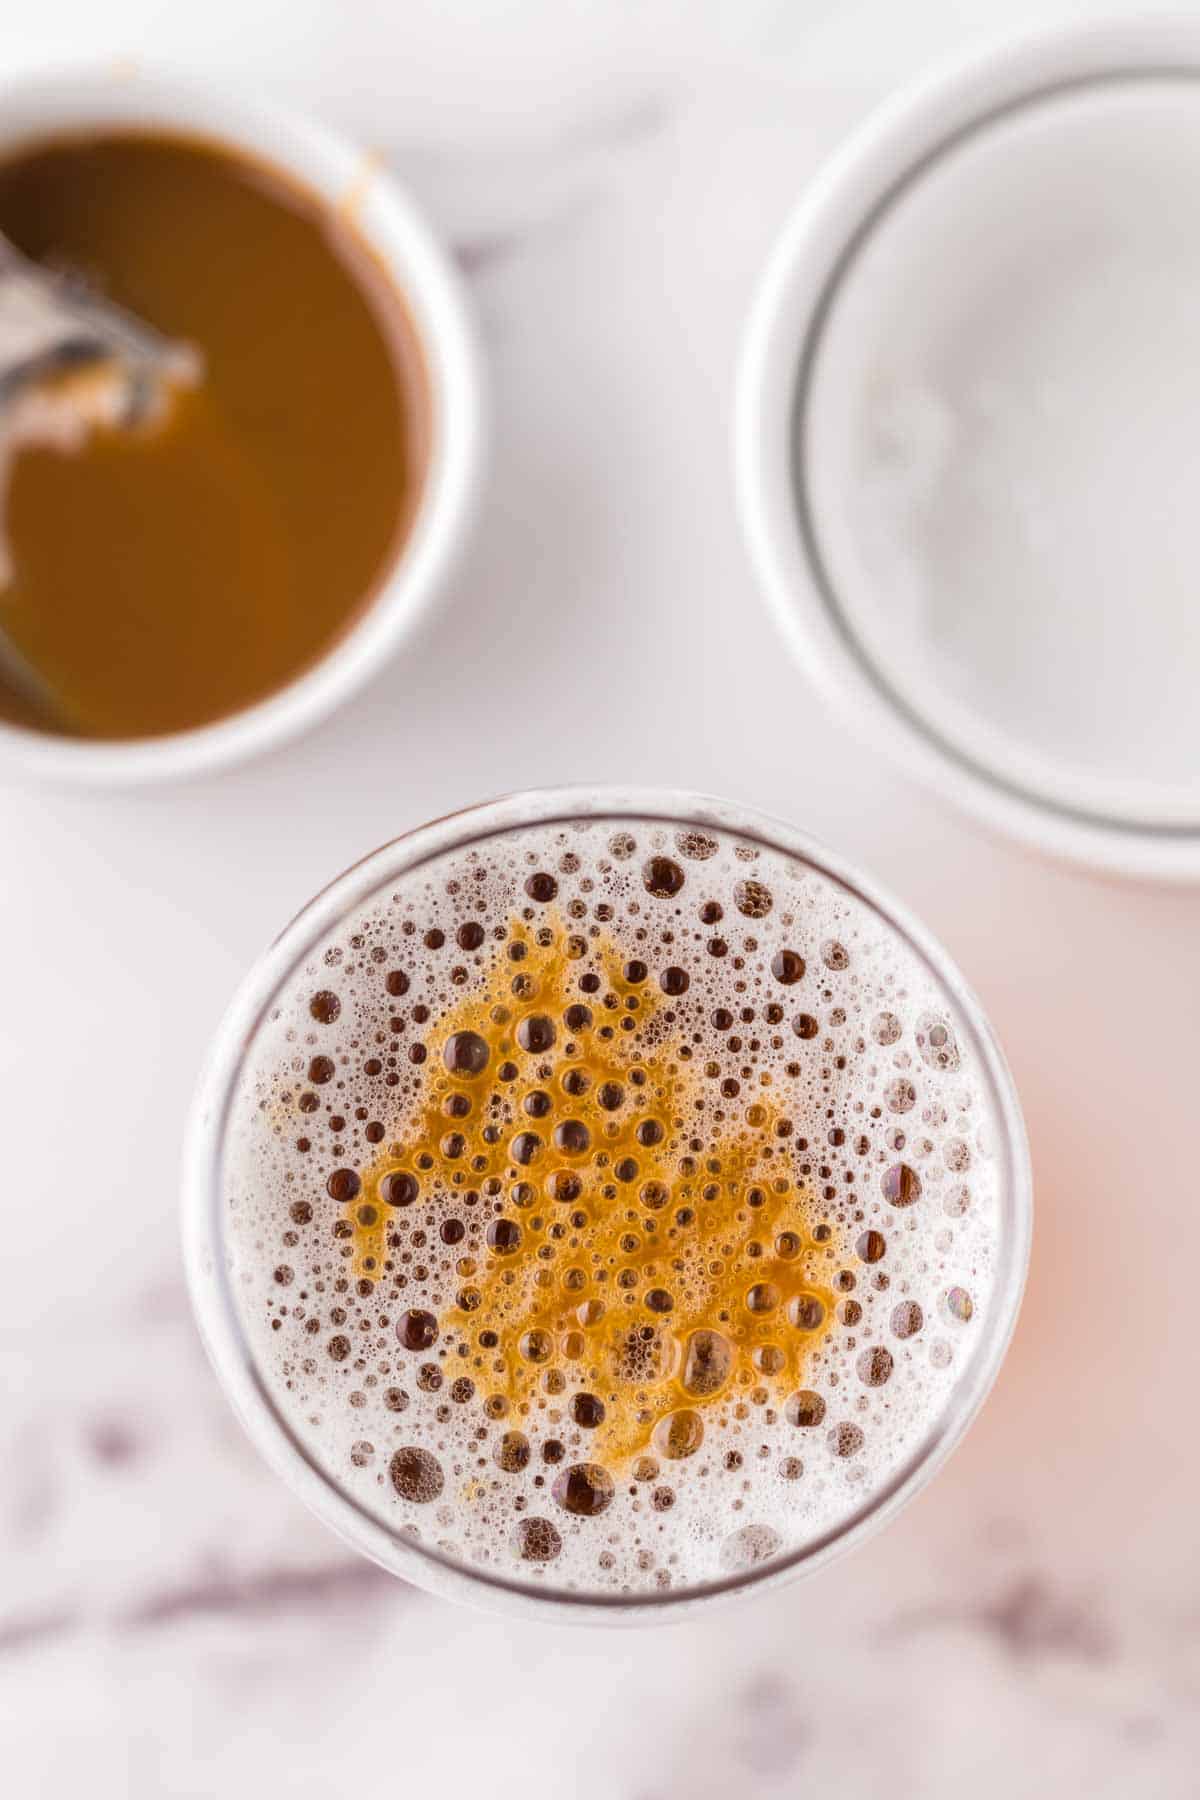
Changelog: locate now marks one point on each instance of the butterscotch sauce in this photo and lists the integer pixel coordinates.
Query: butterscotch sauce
(165, 576)
(626, 1268)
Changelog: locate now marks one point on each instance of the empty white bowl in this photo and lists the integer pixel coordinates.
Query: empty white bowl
(966, 439)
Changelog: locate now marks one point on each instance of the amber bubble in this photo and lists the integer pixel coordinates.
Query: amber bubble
(416, 1329)
(753, 899)
(874, 1367)
(763, 1297)
(465, 1053)
(806, 1312)
(871, 1246)
(662, 877)
(584, 1489)
(900, 1185)
(416, 1475)
(680, 1434)
(536, 1033)
(958, 1305)
(707, 1363)
(907, 1319)
(537, 1540)
(587, 1411)
(805, 1408)
(504, 1236)
(512, 1452)
(572, 1137)
(343, 1185)
(537, 1346)
(399, 1188)
(526, 1146)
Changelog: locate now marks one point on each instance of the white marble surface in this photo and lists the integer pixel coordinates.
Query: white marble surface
(610, 175)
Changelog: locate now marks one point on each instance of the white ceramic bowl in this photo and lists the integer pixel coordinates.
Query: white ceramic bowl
(39, 106)
(994, 286)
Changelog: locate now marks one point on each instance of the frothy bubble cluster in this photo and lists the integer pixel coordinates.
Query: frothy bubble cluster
(612, 1206)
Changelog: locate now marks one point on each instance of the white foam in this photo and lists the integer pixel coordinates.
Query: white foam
(875, 1003)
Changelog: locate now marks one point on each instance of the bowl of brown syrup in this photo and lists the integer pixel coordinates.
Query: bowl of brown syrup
(194, 590)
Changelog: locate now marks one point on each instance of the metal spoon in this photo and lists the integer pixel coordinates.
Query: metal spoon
(70, 361)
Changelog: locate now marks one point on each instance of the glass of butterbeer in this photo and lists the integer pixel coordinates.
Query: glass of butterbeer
(605, 1201)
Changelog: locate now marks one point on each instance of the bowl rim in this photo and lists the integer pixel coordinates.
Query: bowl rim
(798, 286)
(54, 100)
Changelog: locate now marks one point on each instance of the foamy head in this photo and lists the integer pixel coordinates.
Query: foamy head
(613, 1207)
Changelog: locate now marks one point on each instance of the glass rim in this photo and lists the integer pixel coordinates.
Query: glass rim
(219, 1320)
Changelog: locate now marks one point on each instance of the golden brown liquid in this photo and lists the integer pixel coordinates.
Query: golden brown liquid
(167, 578)
(654, 1284)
